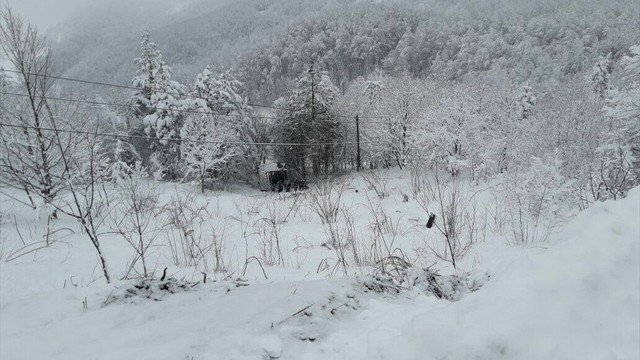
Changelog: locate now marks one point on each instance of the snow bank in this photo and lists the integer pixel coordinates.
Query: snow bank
(578, 300)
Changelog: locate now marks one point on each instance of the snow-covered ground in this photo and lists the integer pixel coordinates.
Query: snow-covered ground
(575, 296)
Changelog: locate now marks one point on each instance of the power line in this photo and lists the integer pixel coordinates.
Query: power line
(95, 102)
(119, 86)
(95, 133)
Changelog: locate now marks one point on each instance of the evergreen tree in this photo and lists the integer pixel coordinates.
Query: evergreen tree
(307, 117)
(160, 104)
(525, 101)
(120, 152)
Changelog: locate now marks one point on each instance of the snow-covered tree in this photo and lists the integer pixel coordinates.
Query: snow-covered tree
(525, 101)
(207, 149)
(600, 75)
(619, 152)
(569, 121)
(219, 95)
(391, 134)
(30, 158)
(121, 152)
(160, 104)
(455, 126)
(505, 126)
(358, 101)
(306, 116)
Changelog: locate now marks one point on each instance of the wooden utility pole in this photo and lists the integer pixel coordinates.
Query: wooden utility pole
(357, 144)
(314, 162)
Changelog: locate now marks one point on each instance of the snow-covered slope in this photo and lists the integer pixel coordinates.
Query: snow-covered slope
(577, 299)
(580, 299)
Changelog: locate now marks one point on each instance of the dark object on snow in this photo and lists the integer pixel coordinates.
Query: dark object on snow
(279, 178)
(432, 219)
(151, 289)
(164, 274)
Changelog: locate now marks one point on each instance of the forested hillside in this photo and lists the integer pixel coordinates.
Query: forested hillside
(100, 40)
(270, 43)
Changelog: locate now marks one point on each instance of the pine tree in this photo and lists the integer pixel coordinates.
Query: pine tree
(122, 154)
(526, 101)
(159, 103)
(307, 117)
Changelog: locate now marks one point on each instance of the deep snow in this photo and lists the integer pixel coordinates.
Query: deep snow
(576, 296)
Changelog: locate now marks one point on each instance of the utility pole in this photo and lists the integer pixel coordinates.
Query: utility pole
(313, 115)
(2, 83)
(313, 94)
(357, 144)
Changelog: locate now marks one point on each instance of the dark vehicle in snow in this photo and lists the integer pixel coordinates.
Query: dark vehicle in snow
(276, 177)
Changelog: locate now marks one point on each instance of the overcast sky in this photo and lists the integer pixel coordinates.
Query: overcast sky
(46, 13)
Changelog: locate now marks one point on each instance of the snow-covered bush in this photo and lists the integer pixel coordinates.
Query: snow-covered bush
(537, 199)
(151, 289)
(426, 280)
(325, 200)
(385, 231)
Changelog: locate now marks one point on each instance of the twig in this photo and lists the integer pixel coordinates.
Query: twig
(244, 271)
(296, 313)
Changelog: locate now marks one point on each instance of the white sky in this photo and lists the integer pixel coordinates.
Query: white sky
(46, 13)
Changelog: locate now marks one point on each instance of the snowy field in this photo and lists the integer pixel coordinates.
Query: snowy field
(575, 295)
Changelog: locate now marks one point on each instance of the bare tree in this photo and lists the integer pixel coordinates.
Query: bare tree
(84, 200)
(30, 160)
(46, 150)
(140, 217)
